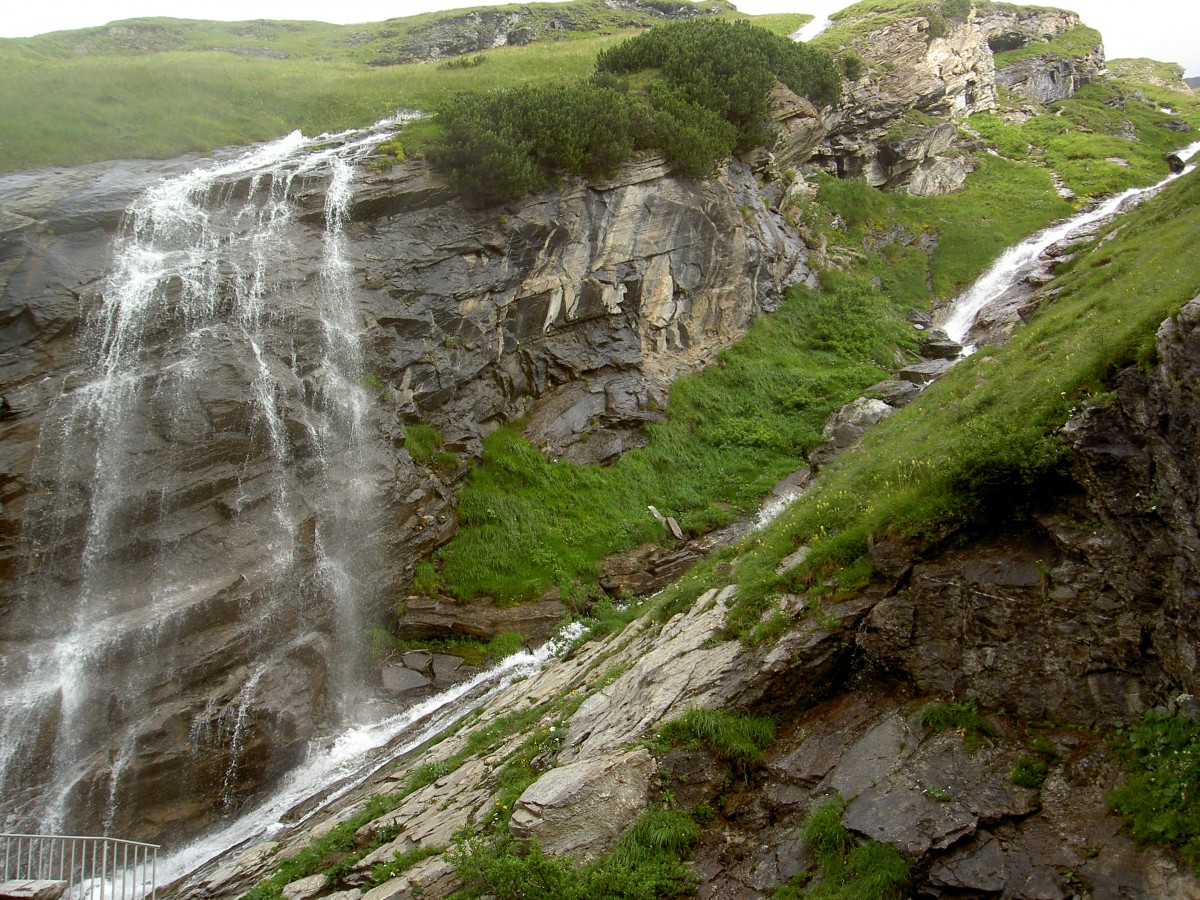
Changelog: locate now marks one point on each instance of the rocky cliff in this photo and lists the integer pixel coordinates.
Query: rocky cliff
(1051, 66)
(895, 126)
(575, 308)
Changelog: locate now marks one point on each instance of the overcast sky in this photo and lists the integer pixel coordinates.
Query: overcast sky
(1162, 29)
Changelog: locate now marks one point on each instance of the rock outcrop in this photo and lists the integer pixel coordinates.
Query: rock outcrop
(457, 35)
(1078, 615)
(1075, 617)
(895, 125)
(1044, 77)
(583, 808)
(576, 308)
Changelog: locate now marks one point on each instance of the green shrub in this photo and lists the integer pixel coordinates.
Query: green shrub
(852, 65)
(955, 9)
(465, 62)
(605, 617)
(1160, 802)
(937, 24)
(961, 716)
(426, 579)
(728, 68)
(382, 644)
(713, 92)
(335, 850)
(1029, 773)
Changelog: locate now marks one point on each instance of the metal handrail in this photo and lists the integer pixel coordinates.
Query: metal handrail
(104, 868)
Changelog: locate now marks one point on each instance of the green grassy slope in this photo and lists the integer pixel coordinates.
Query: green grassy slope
(528, 524)
(985, 431)
(161, 87)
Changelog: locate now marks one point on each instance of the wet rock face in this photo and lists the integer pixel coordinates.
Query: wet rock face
(1085, 611)
(1136, 457)
(575, 308)
(964, 826)
(1028, 624)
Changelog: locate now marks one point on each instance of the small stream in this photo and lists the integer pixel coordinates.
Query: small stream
(339, 766)
(1018, 261)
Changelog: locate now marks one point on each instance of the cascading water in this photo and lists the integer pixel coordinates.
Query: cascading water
(1019, 260)
(347, 762)
(213, 347)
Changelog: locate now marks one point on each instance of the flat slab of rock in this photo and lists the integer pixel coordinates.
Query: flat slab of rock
(445, 665)
(305, 888)
(894, 392)
(417, 659)
(426, 618)
(433, 877)
(32, 890)
(401, 679)
(583, 808)
(926, 372)
(937, 345)
(792, 560)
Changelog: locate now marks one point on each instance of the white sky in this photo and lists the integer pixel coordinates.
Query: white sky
(1161, 29)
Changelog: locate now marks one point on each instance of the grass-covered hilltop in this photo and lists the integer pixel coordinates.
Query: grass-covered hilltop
(77, 96)
(637, 267)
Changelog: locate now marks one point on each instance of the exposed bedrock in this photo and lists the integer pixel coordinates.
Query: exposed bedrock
(894, 126)
(575, 308)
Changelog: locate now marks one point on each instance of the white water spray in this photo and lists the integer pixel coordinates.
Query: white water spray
(200, 352)
(358, 752)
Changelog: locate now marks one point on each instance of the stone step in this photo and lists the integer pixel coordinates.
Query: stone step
(27, 889)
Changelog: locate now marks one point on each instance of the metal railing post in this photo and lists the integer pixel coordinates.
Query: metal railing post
(41, 857)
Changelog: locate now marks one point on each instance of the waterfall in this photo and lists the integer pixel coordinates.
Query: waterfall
(1019, 260)
(212, 348)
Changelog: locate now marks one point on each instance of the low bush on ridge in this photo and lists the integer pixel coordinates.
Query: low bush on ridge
(708, 92)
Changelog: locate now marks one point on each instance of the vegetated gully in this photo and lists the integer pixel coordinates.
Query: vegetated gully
(346, 762)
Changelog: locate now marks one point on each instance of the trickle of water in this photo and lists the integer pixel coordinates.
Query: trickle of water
(236, 731)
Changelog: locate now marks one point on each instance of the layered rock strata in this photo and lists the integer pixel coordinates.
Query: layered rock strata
(576, 308)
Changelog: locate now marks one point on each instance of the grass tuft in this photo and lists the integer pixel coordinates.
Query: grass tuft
(961, 716)
(737, 739)
(846, 869)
